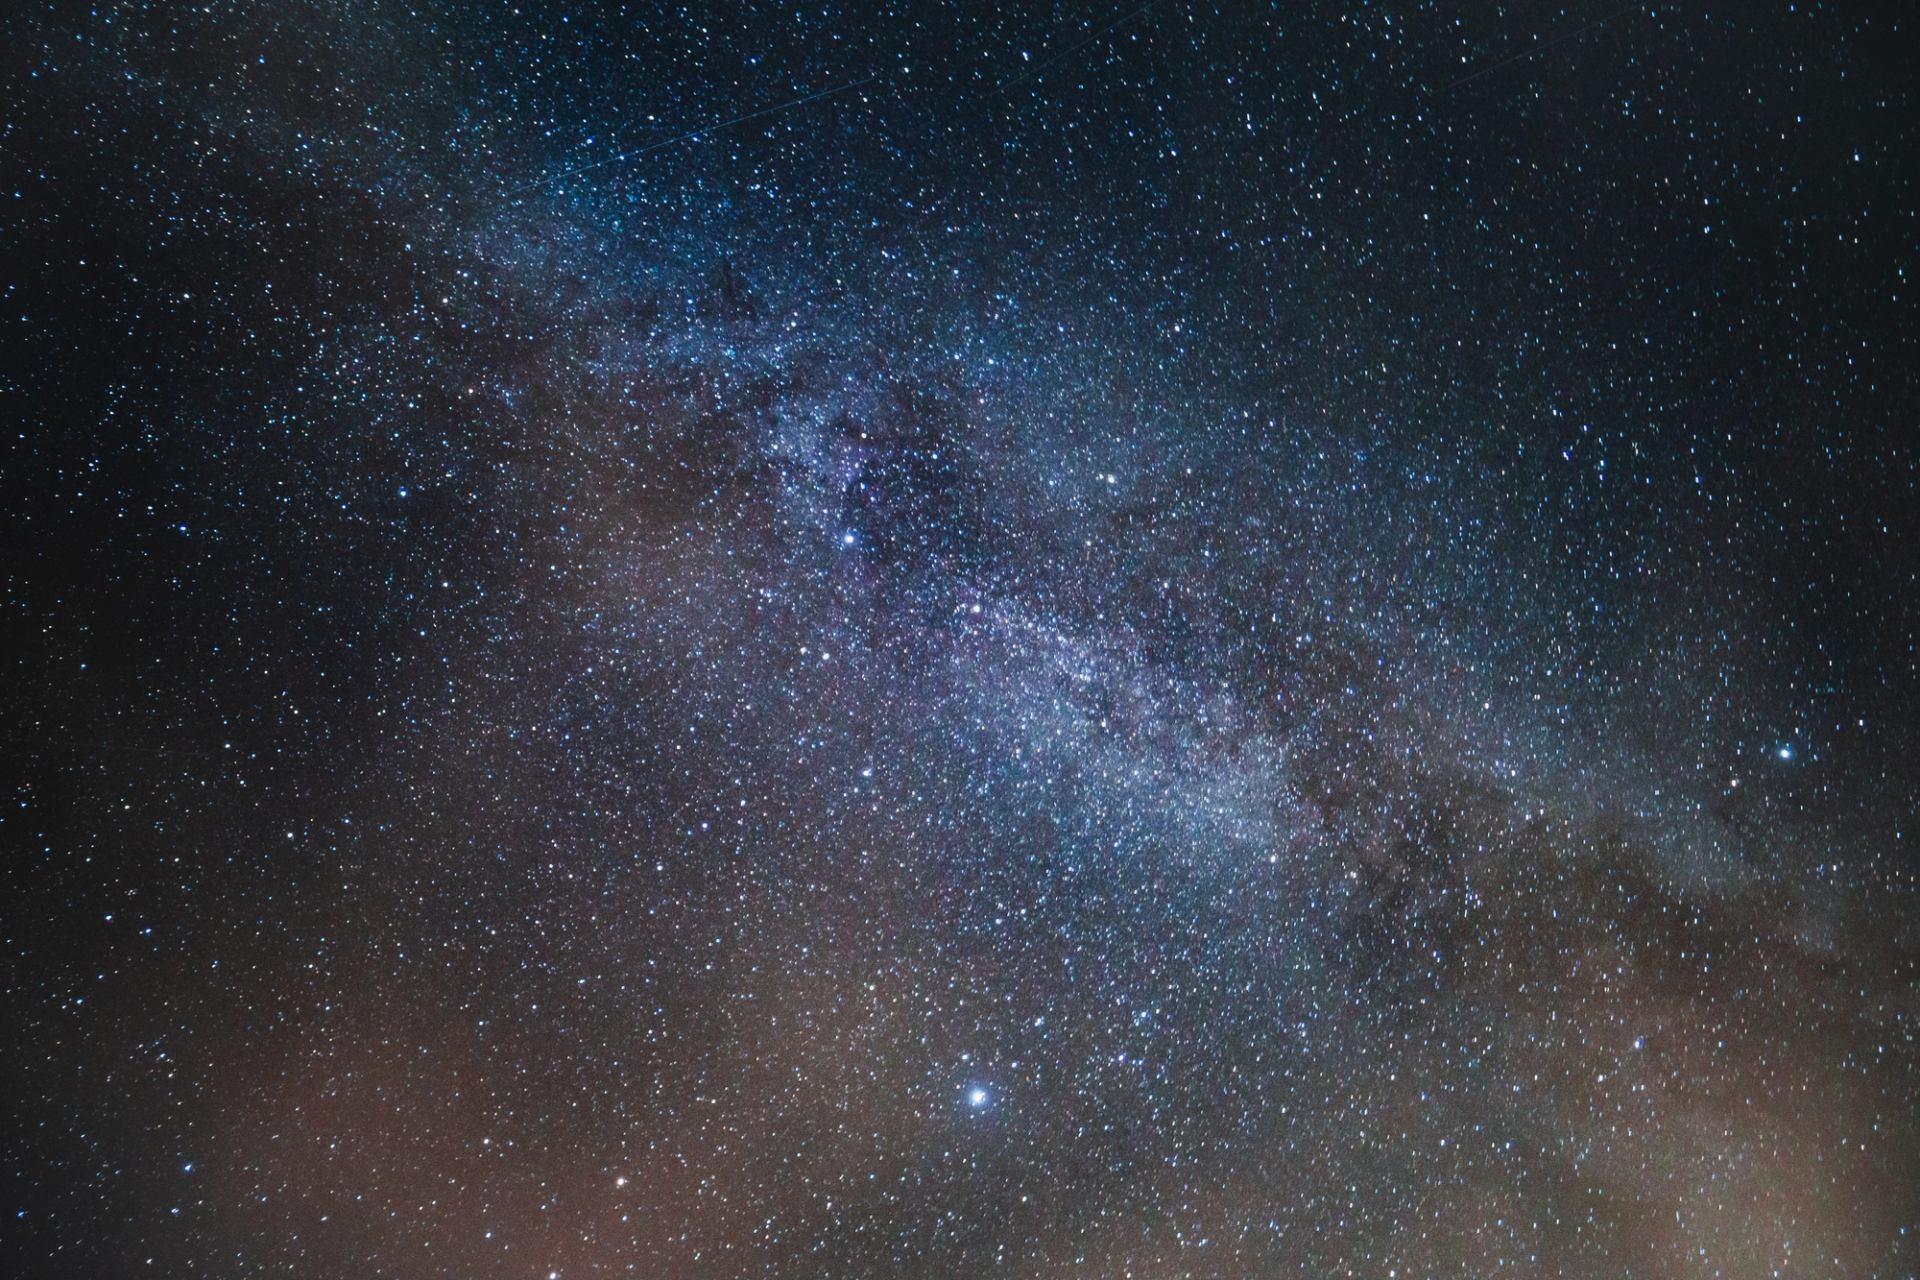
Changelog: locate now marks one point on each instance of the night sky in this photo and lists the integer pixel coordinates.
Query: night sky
(1201, 639)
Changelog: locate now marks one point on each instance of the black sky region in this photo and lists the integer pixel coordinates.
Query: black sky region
(943, 640)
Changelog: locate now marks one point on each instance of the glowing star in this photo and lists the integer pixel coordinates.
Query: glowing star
(1785, 752)
(976, 1098)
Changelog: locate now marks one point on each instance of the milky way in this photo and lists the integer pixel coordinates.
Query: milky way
(1215, 640)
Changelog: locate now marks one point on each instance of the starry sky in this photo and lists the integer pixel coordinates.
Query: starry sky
(1200, 639)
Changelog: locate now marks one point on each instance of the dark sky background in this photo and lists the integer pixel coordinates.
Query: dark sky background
(810, 640)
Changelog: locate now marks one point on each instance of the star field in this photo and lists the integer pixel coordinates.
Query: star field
(828, 640)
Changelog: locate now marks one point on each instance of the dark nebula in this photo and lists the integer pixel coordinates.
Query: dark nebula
(811, 640)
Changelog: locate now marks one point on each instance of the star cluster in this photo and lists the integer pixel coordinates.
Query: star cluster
(1216, 640)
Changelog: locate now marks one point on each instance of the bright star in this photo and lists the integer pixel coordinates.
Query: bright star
(976, 1097)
